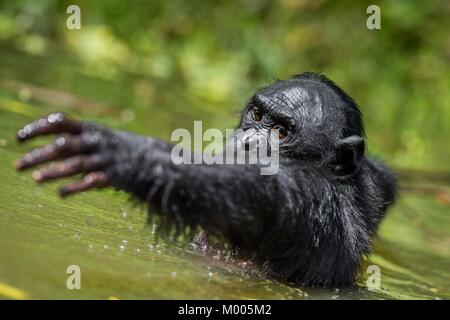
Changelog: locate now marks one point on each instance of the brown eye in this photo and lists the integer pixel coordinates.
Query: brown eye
(256, 115)
(282, 132)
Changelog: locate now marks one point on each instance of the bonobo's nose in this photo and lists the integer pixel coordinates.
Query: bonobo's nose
(250, 140)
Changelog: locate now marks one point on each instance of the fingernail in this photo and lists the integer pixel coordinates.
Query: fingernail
(18, 164)
(21, 135)
(37, 176)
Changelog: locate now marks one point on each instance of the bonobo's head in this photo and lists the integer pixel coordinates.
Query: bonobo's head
(316, 122)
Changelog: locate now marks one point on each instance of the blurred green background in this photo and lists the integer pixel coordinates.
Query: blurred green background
(186, 60)
(153, 66)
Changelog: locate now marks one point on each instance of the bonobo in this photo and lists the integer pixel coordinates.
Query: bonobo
(311, 223)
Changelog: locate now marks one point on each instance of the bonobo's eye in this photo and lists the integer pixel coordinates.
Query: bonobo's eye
(282, 131)
(256, 114)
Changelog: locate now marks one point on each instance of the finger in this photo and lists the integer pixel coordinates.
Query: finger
(54, 123)
(63, 146)
(69, 167)
(92, 180)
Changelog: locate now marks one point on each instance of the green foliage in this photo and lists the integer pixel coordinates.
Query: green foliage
(170, 62)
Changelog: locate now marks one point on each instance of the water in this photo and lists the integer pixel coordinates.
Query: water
(108, 238)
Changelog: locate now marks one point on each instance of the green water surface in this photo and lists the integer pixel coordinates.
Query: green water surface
(102, 233)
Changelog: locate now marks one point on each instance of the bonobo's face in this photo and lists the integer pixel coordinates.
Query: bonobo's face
(311, 116)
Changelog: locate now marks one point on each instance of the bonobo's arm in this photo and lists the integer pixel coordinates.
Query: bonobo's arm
(230, 200)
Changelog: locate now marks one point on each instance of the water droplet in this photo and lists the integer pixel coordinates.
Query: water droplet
(122, 248)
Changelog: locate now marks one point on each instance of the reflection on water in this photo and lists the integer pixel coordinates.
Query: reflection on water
(41, 235)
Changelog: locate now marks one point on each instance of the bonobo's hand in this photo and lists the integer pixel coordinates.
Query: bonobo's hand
(85, 147)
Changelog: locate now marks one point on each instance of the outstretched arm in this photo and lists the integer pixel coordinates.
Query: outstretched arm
(230, 200)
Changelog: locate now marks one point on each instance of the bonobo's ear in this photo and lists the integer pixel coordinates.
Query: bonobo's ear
(349, 153)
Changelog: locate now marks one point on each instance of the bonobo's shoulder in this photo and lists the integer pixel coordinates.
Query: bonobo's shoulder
(383, 178)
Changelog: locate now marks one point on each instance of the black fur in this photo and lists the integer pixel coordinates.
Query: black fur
(311, 223)
(306, 224)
